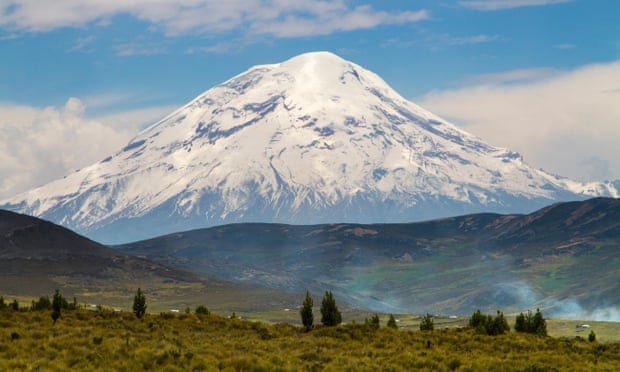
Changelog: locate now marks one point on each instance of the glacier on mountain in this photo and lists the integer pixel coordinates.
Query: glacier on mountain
(314, 139)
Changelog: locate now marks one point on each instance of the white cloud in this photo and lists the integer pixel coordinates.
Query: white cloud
(280, 18)
(564, 46)
(38, 145)
(567, 123)
(519, 75)
(506, 4)
(139, 49)
(81, 44)
(477, 39)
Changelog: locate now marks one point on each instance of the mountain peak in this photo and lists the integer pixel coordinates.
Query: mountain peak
(313, 139)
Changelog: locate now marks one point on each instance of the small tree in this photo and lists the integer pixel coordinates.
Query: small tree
(592, 336)
(201, 310)
(330, 315)
(427, 323)
(2, 303)
(307, 318)
(539, 324)
(520, 323)
(531, 323)
(391, 323)
(56, 305)
(373, 322)
(477, 319)
(14, 305)
(139, 304)
(489, 325)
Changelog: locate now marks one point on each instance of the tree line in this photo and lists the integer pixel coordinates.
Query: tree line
(331, 316)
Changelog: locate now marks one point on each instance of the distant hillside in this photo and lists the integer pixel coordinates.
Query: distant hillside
(37, 257)
(565, 255)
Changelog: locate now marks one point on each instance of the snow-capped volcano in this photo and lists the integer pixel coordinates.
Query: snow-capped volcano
(312, 139)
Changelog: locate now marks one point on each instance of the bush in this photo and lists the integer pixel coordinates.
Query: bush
(592, 336)
(44, 303)
(97, 340)
(529, 323)
(330, 315)
(202, 310)
(15, 336)
(427, 323)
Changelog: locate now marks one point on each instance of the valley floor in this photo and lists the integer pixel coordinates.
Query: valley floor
(105, 340)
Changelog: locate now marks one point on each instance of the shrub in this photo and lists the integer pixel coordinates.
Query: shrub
(592, 336)
(15, 336)
(201, 310)
(97, 340)
(391, 323)
(139, 304)
(44, 303)
(3, 305)
(427, 323)
(166, 315)
(307, 318)
(330, 315)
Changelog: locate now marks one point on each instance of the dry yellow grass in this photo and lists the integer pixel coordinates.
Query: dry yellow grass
(92, 340)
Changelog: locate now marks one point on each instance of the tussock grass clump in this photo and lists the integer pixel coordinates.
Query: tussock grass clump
(102, 340)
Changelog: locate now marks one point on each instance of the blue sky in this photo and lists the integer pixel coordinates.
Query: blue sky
(113, 66)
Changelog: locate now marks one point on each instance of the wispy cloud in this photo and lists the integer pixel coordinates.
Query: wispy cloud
(489, 5)
(476, 39)
(139, 49)
(224, 47)
(81, 44)
(564, 46)
(279, 18)
(565, 122)
(8, 37)
(514, 76)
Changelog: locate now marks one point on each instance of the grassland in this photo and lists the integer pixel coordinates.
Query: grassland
(105, 340)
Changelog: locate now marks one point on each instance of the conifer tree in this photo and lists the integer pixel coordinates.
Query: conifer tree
(56, 305)
(139, 304)
(520, 323)
(2, 303)
(307, 318)
(330, 315)
(391, 323)
(427, 323)
(539, 324)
